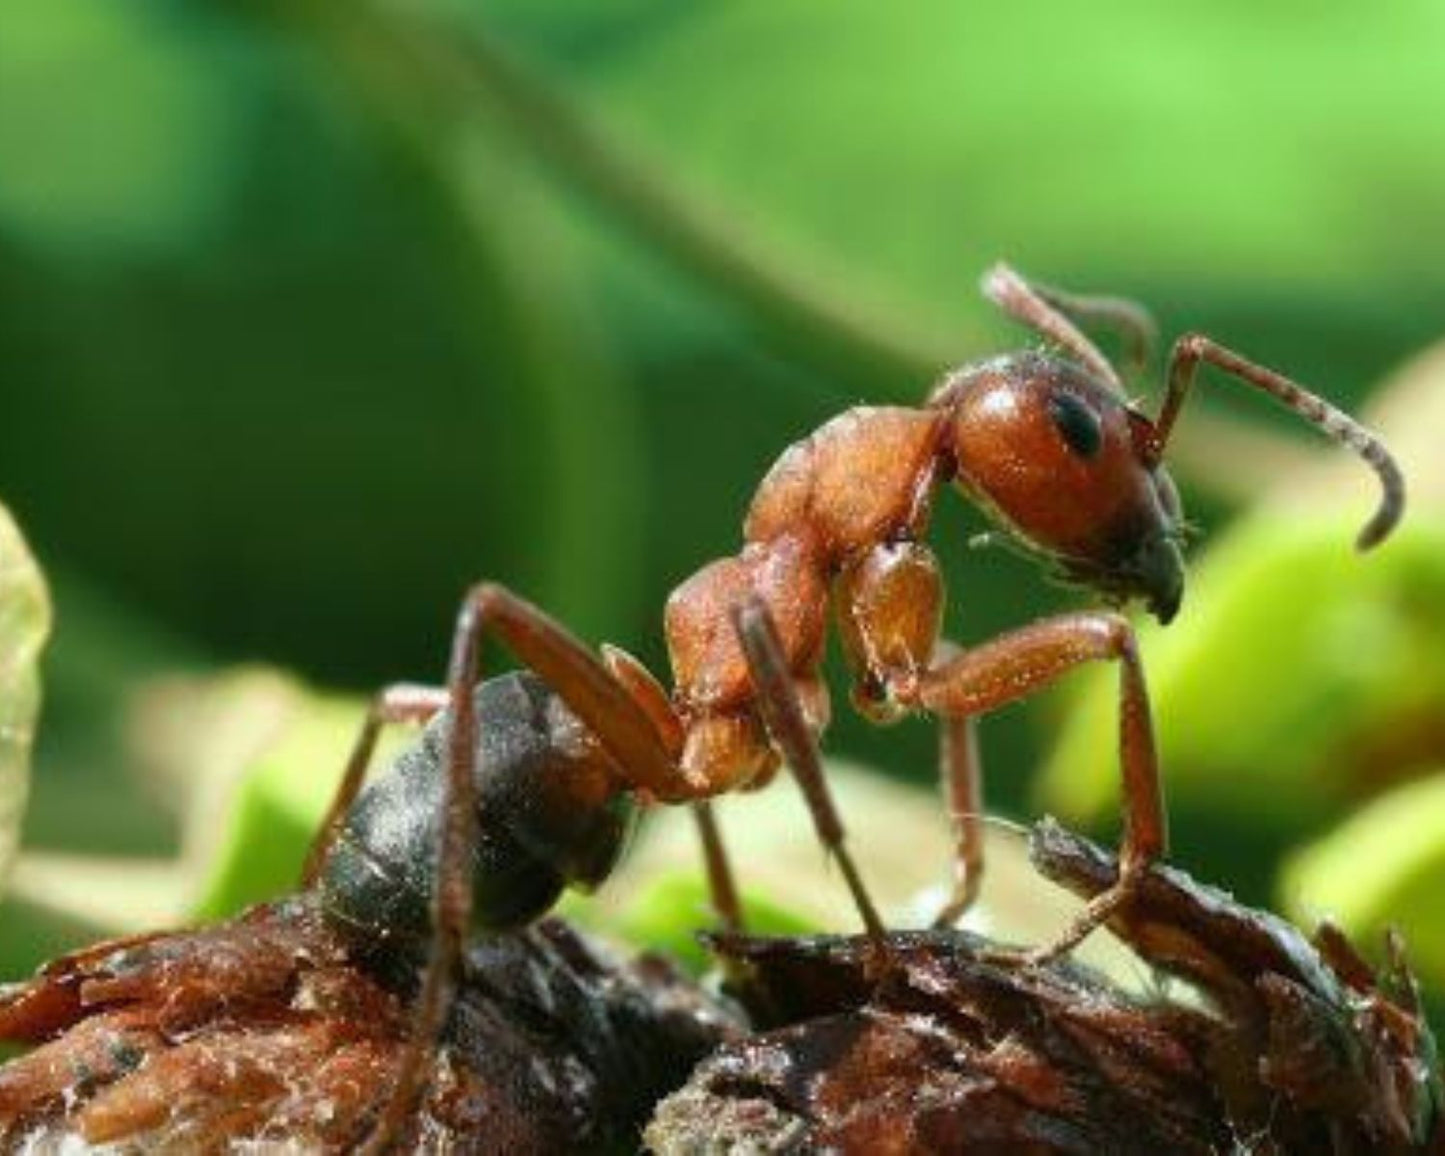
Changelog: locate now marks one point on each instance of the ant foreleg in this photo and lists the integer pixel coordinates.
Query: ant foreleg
(778, 702)
(1016, 664)
(400, 702)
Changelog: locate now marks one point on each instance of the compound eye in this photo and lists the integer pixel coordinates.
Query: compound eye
(1077, 424)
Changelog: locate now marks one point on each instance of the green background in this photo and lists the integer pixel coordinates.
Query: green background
(312, 313)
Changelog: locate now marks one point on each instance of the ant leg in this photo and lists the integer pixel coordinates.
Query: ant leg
(1190, 350)
(1018, 663)
(603, 706)
(889, 604)
(1016, 297)
(720, 883)
(639, 683)
(400, 702)
(590, 690)
(783, 715)
(962, 774)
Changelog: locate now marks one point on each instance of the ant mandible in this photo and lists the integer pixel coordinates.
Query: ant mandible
(524, 784)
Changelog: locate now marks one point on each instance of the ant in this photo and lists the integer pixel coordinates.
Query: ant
(523, 785)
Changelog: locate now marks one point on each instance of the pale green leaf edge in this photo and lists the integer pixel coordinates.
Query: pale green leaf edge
(25, 621)
(1383, 867)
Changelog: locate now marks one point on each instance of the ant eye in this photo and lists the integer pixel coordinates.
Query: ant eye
(1077, 424)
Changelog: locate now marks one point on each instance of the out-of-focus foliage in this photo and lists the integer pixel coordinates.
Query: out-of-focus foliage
(1382, 868)
(310, 314)
(24, 627)
(141, 157)
(248, 833)
(666, 916)
(1283, 733)
(1141, 142)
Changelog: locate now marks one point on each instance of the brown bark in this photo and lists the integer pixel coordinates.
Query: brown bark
(950, 1046)
(264, 1028)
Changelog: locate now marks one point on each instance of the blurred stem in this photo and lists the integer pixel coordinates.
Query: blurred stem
(456, 71)
(483, 214)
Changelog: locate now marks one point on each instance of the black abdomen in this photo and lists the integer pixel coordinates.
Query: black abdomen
(551, 813)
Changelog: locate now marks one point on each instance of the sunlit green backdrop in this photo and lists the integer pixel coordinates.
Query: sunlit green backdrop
(311, 313)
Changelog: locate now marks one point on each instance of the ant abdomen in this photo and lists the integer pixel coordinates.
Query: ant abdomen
(551, 814)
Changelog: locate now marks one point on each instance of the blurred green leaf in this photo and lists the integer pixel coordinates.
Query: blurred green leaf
(397, 322)
(1276, 692)
(35, 932)
(666, 913)
(24, 627)
(93, 788)
(266, 786)
(1147, 143)
(1383, 868)
(114, 132)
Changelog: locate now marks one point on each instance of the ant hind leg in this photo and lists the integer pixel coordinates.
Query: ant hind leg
(600, 702)
(721, 885)
(401, 702)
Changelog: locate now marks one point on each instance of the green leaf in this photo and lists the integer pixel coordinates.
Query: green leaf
(138, 155)
(1292, 652)
(667, 913)
(248, 831)
(24, 627)
(1383, 867)
(911, 152)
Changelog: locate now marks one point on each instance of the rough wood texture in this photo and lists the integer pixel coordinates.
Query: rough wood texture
(263, 1029)
(1296, 1049)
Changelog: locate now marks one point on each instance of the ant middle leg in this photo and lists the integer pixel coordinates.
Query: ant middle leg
(961, 772)
(782, 711)
(1015, 665)
(721, 885)
(401, 702)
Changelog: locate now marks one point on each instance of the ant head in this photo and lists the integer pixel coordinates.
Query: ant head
(1065, 465)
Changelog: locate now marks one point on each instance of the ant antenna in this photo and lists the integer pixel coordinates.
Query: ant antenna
(1132, 323)
(1010, 292)
(1189, 351)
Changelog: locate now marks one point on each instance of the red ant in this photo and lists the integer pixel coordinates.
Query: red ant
(483, 827)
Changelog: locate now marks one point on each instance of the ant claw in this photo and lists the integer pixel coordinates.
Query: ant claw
(880, 962)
